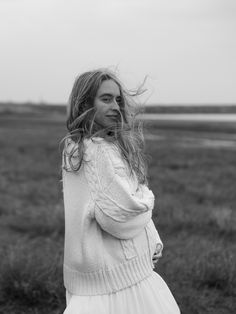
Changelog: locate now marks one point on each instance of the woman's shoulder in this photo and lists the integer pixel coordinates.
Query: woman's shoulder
(103, 151)
(94, 148)
(100, 144)
(88, 143)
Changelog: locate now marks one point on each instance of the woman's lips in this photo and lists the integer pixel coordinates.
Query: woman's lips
(112, 116)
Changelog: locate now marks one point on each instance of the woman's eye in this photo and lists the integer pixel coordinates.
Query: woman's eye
(119, 101)
(106, 99)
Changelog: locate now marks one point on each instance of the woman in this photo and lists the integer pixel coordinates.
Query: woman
(111, 243)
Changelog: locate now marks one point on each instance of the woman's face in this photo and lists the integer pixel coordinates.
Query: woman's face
(107, 104)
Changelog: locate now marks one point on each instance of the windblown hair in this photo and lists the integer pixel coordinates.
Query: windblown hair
(81, 124)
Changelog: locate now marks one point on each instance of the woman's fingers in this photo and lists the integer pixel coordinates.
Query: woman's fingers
(158, 248)
(156, 257)
(155, 260)
(158, 254)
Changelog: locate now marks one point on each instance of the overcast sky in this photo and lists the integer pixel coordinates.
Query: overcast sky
(187, 48)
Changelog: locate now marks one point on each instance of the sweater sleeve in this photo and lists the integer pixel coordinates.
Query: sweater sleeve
(122, 207)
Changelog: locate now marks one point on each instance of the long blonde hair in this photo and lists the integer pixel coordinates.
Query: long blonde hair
(81, 124)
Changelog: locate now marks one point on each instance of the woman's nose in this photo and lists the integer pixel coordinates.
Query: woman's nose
(115, 104)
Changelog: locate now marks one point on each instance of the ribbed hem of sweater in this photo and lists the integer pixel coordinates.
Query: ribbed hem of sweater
(107, 281)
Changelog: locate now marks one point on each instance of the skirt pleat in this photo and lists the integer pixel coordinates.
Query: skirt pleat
(150, 295)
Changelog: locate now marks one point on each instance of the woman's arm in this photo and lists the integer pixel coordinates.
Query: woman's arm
(123, 230)
(119, 209)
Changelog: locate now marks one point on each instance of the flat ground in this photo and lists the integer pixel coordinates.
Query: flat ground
(195, 213)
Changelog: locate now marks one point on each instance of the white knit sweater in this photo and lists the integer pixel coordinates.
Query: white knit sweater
(110, 237)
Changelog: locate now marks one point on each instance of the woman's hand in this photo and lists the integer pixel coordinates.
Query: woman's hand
(157, 255)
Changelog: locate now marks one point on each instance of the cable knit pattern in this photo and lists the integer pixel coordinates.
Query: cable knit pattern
(109, 234)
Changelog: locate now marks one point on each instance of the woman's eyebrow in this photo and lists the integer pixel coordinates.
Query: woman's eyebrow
(106, 94)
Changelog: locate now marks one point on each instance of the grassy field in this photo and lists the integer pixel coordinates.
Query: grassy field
(195, 214)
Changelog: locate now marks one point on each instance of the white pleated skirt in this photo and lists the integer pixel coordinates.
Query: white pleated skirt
(150, 295)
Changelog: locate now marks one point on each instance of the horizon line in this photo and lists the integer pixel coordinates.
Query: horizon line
(43, 103)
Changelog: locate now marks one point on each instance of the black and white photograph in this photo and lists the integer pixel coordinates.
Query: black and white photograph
(117, 157)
